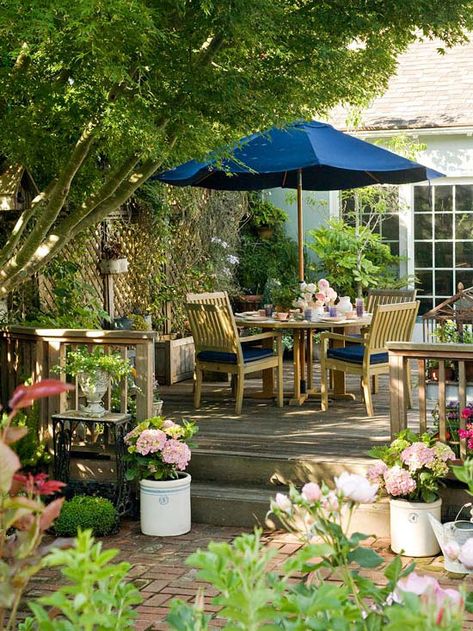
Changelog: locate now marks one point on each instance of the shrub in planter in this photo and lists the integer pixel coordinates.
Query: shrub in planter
(85, 512)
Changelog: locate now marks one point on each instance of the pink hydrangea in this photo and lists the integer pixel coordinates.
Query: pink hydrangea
(168, 423)
(443, 452)
(150, 441)
(375, 473)
(418, 455)
(399, 482)
(176, 453)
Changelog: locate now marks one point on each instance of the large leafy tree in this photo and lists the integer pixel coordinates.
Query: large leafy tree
(96, 95)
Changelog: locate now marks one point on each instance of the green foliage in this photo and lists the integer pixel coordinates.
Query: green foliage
(30, 450)
(76, 304)
(84, 512)
(283, 296)
(265, 259)
(95, 596)
(264, 213)
(92, 362)
(353, 259)
(95, 98)
(464, 473)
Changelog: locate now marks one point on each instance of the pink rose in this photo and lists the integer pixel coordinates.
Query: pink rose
(330, 502)
(415, 584)
(320, 297)
(356, 488)
(452, 550)
(283, 502)
(331, 294)
(466, 554)
(323, 284)
(311, 492)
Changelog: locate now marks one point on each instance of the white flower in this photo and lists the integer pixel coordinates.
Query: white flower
(283, 502)
(356, 488)
(232, 259)
(311, 288)
(303, 286)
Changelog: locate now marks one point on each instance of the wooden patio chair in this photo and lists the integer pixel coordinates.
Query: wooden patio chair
(388, 297)
(219, 348)
(390, 323)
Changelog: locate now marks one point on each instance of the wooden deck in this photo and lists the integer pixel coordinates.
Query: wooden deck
(344, 432)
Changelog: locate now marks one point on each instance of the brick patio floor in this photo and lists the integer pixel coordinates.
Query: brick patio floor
(160, 573)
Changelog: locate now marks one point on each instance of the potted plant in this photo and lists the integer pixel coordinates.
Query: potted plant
(410, 471)
(94, 371)
(158, 454)
(284, 297)
(265, 216)
(113, 261)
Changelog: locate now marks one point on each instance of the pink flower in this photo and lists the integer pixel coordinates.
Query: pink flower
(150, 441)
(452, 550)
(443, 452)
(176, 453)
(168, 423)
(466, 554)
(330, 502)
(283, 502)
(320, 297)
(418, 455)
(311, 492)
(323, 284)
(331, 294)
(356, 488)
(416, 584)
(399, 482)
(376, 473)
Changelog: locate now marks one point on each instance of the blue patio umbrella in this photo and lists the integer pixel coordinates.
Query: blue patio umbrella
(304, 156)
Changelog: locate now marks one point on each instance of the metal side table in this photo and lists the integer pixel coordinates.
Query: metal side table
(94, 439)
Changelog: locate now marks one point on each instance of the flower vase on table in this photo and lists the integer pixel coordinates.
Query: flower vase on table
(158, 455)
(410, 471)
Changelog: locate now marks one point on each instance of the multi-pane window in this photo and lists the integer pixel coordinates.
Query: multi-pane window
(386, 224)
(443, 241)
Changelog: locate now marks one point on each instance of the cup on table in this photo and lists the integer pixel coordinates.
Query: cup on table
(308, 314)
(332, 311)
(360, 307)
(282, 316)
(262, 312)
(351, 315)
(268, 310)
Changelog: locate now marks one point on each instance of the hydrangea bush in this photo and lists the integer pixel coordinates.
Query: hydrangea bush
(158, 449)
(411, 467)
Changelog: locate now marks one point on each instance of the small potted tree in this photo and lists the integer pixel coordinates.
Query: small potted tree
(265, 217)
(94, 371)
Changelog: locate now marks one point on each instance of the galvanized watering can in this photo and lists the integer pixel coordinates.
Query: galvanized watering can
(456, 532)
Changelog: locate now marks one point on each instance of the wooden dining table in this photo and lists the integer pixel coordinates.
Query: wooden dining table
(301, 331)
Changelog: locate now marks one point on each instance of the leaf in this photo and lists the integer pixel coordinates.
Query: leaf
(50, 513)
(9, 465)
(24, 396)
(13, 434)
(365, 557)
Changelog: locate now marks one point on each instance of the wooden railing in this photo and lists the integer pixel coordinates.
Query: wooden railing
(30, 352)
(400, 354)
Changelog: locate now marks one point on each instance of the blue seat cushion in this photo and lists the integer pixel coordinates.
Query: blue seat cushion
(250, 354)
(354, 355)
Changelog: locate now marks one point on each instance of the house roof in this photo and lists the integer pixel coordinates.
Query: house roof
(428, 90)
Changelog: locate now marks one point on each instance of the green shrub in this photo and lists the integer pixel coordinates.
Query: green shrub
(85, 512)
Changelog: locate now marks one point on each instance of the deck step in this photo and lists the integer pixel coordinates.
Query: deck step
(269, 469)
(246, 506)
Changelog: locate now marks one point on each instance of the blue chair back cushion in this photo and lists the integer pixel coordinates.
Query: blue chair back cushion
(249, 355)
(354, 355)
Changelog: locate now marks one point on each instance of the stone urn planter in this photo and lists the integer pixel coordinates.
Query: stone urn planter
(114, 266)
(94, 386)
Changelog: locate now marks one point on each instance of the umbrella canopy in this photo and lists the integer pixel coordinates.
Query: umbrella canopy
(310, 155)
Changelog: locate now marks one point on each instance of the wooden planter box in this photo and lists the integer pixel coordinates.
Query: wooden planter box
(174, 360)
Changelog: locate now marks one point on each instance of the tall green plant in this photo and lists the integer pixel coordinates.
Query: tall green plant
(353, 258)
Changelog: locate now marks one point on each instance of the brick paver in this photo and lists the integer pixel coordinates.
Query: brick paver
(160, 573)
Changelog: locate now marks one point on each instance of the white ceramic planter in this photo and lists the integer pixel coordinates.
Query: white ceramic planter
(94, 386)
(114, 266)
(166, 506)
(411, 531)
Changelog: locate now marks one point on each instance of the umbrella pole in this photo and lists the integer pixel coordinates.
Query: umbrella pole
(300, 227)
